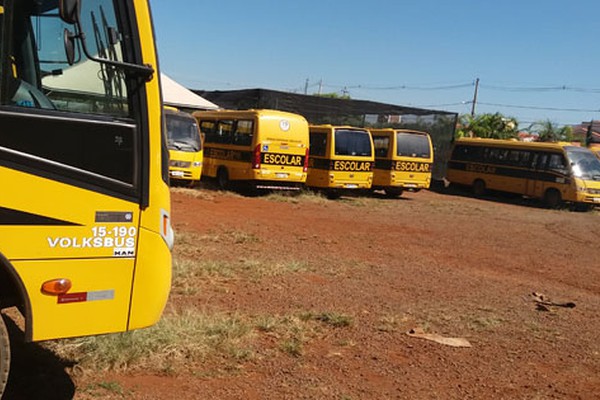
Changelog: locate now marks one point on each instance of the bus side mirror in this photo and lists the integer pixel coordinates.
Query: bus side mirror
(69, 10)
(69, 40)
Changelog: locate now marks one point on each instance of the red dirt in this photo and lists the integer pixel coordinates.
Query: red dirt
(452, 265)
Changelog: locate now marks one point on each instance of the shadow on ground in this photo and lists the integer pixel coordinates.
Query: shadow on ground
(36, 373)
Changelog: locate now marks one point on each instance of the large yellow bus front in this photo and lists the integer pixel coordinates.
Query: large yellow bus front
(264, 149)
(185, 147)
(341, 159)
(84, 213)
(403, 160)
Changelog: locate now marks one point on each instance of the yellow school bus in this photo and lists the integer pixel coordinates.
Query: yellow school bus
(263, 149)
(403, 160)
(85, 230)
(341, 159)
(185, 147)
(553, 172)
(595, 148)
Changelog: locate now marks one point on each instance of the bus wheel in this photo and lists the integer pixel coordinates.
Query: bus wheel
(393, 192)
(479, 188)
(4, 355)
(552, 198)
(333, 194)
(223, 178)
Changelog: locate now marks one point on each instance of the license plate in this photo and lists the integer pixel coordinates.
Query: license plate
(351, 186)
(596, 199)
(281, 175)
(410, 185)
(177, 173)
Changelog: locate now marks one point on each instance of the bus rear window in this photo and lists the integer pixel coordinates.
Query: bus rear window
(413, 145)
(352, 143)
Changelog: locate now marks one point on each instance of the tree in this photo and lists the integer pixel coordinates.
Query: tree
(493, 126)
(334, 95)
(548, 131)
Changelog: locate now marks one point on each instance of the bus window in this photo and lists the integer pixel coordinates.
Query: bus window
(224, 132)
(413, 145)
(352, 143)
(382, 145)
(318, 144)
(244, 130)
(557, 163)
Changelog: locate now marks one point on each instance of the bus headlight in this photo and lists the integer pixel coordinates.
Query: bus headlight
(197, 163)
(179, 164)
(593, 191)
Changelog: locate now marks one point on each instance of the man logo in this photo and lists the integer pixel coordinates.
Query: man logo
(284, 125)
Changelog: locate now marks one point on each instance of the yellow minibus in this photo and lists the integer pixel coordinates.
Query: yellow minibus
(85, 223)
(262, 149)
(341, 159)
(403, 160)
(185, 146)
(553, 172)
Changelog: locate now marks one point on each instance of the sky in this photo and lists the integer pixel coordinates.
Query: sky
(535, 60)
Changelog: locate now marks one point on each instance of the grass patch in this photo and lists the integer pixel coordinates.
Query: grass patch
(182, 339)
(195, 193)
(334, 319)
(304, 196)
(177, 340)
(187, 272)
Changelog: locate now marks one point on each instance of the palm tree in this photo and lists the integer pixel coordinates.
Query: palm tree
(548, 131)
(494, 126)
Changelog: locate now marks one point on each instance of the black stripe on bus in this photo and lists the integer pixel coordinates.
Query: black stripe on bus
(229, 155)
(9, 216)
(512, 172)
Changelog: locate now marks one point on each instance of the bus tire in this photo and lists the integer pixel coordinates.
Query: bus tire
(333, 194)
(223, 178)
(4, 355)
(552, 199)
(479, 187)
(393, 192)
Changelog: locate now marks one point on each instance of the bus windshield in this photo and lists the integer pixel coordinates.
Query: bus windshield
(412, 145)
(585, 164)
(352, 143)
(182, 133)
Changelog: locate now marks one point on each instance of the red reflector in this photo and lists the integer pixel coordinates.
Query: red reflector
(305, 167)
(256, 160)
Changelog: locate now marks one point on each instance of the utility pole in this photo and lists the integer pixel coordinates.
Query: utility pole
(320, 86)
(306, 86)
(474, 97)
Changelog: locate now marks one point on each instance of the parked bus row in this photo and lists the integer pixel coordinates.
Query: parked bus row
(269, 149)
(274, 149)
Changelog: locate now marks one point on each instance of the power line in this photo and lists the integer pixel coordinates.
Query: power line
(541, 89)
(540, 108)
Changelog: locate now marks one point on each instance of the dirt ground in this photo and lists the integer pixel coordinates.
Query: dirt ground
(438, 263)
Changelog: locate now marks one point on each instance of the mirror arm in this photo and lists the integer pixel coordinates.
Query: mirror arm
(145, 71)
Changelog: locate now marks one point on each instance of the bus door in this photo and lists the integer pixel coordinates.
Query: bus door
(535, 179)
